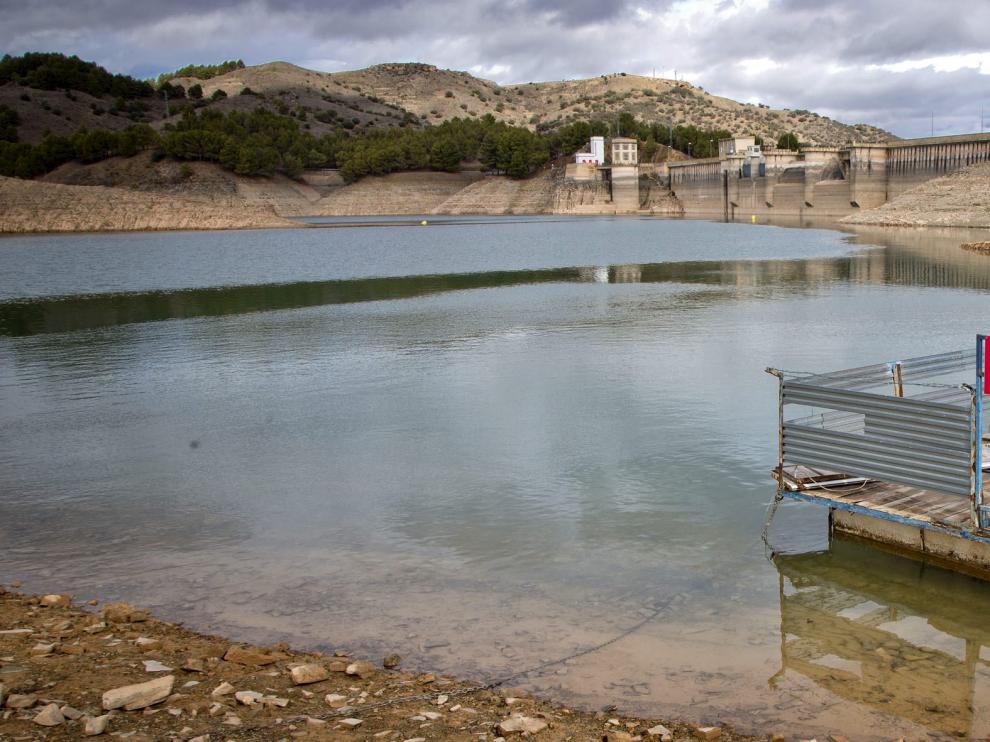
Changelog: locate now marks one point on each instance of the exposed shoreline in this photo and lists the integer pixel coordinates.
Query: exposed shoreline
(58, 661)
(137, 194)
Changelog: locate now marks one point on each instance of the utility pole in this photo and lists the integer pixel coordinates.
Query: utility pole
(167, 112)
(933, 123)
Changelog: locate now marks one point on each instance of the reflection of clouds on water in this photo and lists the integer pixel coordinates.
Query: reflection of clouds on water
(470, 455)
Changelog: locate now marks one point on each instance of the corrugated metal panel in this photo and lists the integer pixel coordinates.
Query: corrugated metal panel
(912, 369)
(922, 443)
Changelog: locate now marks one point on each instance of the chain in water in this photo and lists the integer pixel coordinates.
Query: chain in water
(505, 679)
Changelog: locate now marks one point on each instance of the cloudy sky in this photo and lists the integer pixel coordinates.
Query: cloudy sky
(893, 63)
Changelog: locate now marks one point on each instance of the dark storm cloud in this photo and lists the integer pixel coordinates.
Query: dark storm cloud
(816, 54)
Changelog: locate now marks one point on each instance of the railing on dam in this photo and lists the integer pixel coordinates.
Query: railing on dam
(910, 422)
(937, 154)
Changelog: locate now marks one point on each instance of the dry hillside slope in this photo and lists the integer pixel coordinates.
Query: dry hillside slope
(435, 95)
(960, 199)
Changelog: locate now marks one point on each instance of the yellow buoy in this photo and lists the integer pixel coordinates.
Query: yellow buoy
(753, 218)
(424, 222)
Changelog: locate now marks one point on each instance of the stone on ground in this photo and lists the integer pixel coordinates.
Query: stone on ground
(391, 661)
(248, 656)
(94, 725)
(123, 613)
(310, 673)
(660, 732)
(49, 716)
(140, 695)
(224, 689)
(155, 666)
(708, 732)
(351, 722)
(21, 700)
(360, 669)
(248, 697)
(519, 724)
(55, 601)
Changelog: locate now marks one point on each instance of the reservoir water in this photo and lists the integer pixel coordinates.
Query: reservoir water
(484, 443)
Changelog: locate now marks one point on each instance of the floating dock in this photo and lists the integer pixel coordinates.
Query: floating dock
(895, 451)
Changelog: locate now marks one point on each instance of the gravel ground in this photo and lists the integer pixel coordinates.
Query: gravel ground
(68, 670)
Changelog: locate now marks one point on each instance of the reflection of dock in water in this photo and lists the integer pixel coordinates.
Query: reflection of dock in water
(885, 631)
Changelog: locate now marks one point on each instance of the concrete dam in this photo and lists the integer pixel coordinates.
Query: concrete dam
(816, 181)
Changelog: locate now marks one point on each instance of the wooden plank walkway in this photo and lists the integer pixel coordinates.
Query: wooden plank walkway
(898, 501)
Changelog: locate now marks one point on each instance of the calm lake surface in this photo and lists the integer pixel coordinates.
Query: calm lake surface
(484, 443)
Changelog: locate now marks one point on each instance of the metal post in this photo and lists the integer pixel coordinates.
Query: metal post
(898, 374)
(981, 519)
(780, 426)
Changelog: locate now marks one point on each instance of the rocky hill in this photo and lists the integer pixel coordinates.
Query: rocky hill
(394, 95)
(380, 95)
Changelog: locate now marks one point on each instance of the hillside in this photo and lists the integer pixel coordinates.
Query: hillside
(412, 95)
(960, 199)
(380, 94)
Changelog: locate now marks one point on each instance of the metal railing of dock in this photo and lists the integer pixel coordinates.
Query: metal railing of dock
(915, 421)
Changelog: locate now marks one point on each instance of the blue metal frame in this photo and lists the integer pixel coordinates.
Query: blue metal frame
(805, 496)
(980, 511)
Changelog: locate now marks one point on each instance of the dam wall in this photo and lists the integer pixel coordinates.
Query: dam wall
(819, 181)
(913, 161)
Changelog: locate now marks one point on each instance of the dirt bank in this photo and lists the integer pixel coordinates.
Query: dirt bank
(65, 670)
(32, 206)
(960, 199)
(325, 194)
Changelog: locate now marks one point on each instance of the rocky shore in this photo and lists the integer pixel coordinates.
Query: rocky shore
(34, 206)
(960, 199)
(69, 671)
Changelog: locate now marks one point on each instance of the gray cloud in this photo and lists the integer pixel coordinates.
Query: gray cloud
(826, 51)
